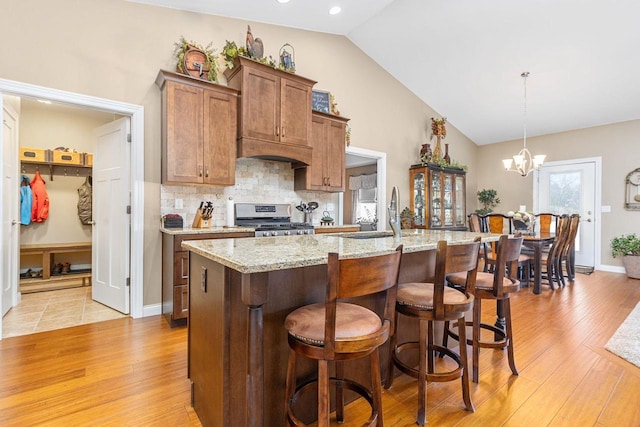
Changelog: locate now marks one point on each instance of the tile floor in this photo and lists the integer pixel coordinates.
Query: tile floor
(44, 311)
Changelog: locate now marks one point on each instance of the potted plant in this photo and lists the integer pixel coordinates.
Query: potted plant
(628, 247)
(489, 200)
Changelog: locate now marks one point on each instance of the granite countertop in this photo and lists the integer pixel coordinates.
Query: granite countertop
(255, 255)
(224, 230)
(220, 230)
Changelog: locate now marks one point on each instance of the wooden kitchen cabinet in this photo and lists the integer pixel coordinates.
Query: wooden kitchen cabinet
(438, 197)
(175, 273)
(274, 112)
(199, 126)
(327, 171)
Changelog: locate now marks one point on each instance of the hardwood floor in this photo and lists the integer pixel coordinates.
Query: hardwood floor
(133, 372)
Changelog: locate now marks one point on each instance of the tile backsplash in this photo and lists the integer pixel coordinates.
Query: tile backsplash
(257, 181)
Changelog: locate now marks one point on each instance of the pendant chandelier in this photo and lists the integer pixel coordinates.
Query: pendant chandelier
(523, 162)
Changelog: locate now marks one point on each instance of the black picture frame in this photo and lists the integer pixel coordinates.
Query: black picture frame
(321, 101)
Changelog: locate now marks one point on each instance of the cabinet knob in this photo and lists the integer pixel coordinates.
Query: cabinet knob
(207, 172)
(199, 170)
(277, 130)
(283, 131)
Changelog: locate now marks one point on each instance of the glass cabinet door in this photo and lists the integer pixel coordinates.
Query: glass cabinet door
(448, 199)
(435, 219)
(419, 199)
(460, 201)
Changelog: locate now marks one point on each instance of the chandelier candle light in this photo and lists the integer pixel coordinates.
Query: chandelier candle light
(524, 161)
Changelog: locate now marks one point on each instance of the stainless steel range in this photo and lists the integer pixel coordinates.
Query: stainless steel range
(269, 220)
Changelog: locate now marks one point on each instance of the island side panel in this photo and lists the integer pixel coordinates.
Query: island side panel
(286, 291)
(209, 340)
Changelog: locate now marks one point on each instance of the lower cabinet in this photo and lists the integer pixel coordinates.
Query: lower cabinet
(175, 273)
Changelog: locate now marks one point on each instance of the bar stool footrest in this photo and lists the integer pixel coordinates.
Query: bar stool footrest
(430, 376)
(345, 383)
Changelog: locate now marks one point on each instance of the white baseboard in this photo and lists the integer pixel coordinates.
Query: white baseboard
(152, 310)
(611, 268)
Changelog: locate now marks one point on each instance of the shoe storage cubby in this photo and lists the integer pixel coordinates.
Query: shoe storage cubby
(45, 280)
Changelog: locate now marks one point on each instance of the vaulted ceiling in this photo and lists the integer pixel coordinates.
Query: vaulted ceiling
(464, 57)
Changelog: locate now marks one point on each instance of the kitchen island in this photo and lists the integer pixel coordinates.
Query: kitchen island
(240, 292)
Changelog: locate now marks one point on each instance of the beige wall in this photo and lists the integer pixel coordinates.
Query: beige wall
(114, 49)
(616, 144)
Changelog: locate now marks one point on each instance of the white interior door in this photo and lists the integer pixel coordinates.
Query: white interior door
(568, 188)
(10, 223)
(111, 215)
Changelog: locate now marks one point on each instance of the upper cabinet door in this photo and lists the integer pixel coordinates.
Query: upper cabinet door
(184, 143)
(335, 154)
(219, 135)
(295, 112)
(260, 105)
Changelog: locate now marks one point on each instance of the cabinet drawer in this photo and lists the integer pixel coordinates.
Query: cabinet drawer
(181, 268)
(180, 302)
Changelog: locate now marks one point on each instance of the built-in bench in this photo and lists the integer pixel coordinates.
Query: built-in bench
(47, 281)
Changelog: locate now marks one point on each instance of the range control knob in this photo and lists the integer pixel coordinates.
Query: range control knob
(287, 233)
(265, 233)
(274, 233)
(299, 231)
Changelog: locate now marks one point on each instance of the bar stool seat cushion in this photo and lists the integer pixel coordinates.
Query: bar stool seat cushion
(352, 321)
(420, 295)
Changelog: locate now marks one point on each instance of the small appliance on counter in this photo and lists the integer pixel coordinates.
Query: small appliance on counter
(202, 219)
(270, 220)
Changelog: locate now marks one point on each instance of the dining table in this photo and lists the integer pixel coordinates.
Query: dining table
(537, 242)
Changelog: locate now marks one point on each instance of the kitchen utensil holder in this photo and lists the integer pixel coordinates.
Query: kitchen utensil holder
(199, 221)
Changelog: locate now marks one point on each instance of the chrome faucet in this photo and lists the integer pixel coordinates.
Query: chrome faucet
(394, 213)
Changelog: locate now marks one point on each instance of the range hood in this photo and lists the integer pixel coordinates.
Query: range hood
(249, 147)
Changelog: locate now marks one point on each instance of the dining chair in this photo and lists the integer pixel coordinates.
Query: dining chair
(339, 330)
(567, 251)
(551, 259)
(503, 224)
(429, 302)
(547, 222)
(498, 286)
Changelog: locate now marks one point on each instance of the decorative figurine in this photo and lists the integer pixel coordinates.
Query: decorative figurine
(287, 59)
(254, 46)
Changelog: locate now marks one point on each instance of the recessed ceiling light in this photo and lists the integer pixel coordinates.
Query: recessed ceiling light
(335, 10)
(283, 1)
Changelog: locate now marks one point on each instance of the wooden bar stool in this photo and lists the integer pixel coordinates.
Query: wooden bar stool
(497, 286)
(338, 331)
(431, 302)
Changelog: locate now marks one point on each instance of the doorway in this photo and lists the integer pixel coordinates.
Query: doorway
(135, 171)
(573, 186)
(360, 157)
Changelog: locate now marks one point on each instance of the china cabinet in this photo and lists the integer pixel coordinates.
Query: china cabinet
(438, 197)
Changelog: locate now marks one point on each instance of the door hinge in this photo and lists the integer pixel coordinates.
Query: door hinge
(128, 281)
(129, 209)
(128, 137)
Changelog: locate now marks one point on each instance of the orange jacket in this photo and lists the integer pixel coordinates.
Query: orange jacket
(40, 209)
